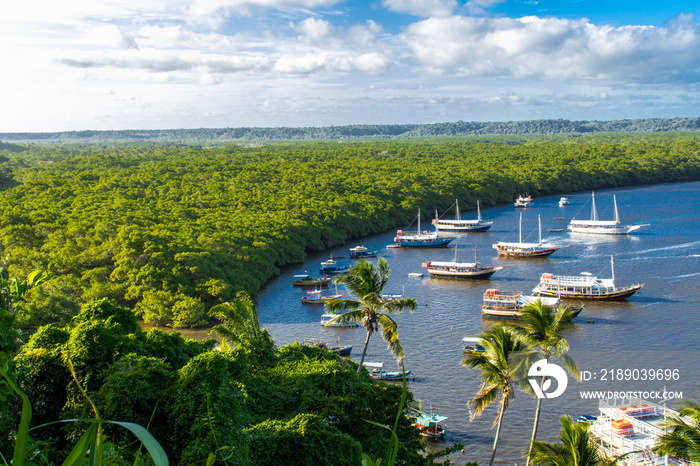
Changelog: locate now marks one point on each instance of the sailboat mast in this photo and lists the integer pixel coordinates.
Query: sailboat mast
(520, 230)
(419, 220)
(478, 211)
(617, 219)
(457, 210)
(594, 213)
(612, 267)
(539, 222)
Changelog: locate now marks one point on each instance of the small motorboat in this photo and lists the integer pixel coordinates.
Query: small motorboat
(376, 371)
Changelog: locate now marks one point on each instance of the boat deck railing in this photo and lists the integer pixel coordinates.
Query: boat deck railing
(646, 420)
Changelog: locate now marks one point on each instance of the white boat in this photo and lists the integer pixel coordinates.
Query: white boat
(522, 202)
(509, 304)
(327, 318)
(563, 201)
(421, 239)
(463, 225)
(602, 227)
(472, 345)
(376, 371)
(632, 426)
(584, 286)
(415, 274)
(521, 249)
(358, 252)
(335, 347)
(317, 297)
(454, 269)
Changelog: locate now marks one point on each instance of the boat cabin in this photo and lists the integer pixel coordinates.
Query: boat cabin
(472, 345)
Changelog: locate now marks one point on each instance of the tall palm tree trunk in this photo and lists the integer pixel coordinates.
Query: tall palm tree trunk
(498, 429)
(364, 352)
(534, 429)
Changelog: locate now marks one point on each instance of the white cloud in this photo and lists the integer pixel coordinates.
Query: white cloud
(533, 47)
(422, 8)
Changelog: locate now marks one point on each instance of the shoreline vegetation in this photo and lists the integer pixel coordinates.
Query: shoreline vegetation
(171, 233)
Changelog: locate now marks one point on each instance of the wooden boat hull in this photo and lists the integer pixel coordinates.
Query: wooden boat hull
(514, 314)
(321, 300)
(483, 274)
(621, 230)
(464, 228)
(434, 243)
(546, 252)
(363, 255)
(618, 295)
(381, 375)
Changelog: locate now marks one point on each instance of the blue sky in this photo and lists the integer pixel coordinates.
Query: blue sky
(149, 64)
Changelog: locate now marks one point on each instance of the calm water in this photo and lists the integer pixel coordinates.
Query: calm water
(655, 329)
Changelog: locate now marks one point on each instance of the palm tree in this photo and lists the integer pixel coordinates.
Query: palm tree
(540, 329)
(365, 281)
(576, 448)
(499, 374)
(682, 436)
(240, 323)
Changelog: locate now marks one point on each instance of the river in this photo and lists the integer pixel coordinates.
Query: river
(656, 329)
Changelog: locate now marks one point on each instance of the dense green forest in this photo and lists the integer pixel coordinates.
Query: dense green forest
(407, 131)
(167, 233)
(170, 231)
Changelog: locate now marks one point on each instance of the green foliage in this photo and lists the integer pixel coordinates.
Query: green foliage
(306, 439)
(173, 231)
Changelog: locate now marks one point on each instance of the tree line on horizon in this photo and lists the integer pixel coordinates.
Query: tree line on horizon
(360, 131)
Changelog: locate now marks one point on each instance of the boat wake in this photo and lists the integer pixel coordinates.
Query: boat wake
(672, 247)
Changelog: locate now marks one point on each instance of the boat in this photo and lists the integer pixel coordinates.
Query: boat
(454, 269)
(429, 425)
(376, 371)
(315, 297)
(335, 347)
(331, 266)
(308, 280)
(472, 345)
(632, 426)
(563, 201)
(326, 321)
(415, 274)
(509, 304)
(463, 225)
(602, 227)
(584, 286)
(521, 249)
(422, 239)
(359, 252)
(522, 202)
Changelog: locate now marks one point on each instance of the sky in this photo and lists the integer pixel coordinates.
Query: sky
(162, 64)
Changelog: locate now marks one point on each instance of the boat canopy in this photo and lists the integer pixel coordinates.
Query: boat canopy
(471, 339)
(452, 264)
(524, 300)
(595, 223)
(520, 245)
(301, 276)
(373, 365)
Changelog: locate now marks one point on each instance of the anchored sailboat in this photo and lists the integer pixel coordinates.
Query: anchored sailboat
(604, 227)
(422, 239)
(521, 249)
(463, 225)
